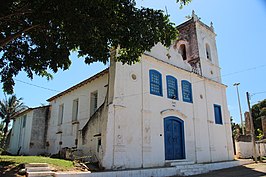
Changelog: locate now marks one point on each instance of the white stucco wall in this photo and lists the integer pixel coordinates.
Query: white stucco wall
(135, 124)
(69, 130)
(20, 136)
(245, 149)
(169, 55)
(210, 68)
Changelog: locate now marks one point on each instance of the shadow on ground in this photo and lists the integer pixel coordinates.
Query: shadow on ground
(9, 169)
(241, 171)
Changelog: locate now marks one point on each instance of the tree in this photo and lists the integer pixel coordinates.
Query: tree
(1, 133)
(37, 36)
(258, 111)
(236, 129)
(9, 107)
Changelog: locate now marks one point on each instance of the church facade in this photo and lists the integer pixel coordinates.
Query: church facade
(170, 107)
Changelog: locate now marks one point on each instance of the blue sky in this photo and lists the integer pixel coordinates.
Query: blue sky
(241, 36)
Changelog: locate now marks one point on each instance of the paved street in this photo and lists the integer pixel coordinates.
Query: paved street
(251, 170)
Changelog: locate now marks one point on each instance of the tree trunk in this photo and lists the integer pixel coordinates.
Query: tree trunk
(3, 143)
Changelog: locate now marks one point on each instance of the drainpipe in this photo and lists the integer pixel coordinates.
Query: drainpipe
(208, 120)
(195, 144)
(142, 113)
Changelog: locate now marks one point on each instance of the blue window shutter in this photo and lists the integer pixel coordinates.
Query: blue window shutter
(172, 91)
(156, 83)
(186, 91)
(218, 114)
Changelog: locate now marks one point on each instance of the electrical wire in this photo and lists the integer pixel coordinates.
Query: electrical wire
(225, 75)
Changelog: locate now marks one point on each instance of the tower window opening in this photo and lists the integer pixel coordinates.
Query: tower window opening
(183, 51)
(208, 52)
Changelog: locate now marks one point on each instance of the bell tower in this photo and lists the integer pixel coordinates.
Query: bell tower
(197, 43)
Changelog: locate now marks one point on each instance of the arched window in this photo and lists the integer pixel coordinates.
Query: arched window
(183, 51)
(156, 83)
(208, 52)
(171, 83)
(186, 91)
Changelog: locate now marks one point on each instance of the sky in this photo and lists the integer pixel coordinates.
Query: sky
(240, 26)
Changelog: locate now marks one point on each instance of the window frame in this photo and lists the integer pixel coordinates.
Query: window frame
(168, 77)
(208, 52)
(184, 97)
(152, 72)
(93, 102)
(218, 120)
(24, 120)
(75, 109)
(60, 114)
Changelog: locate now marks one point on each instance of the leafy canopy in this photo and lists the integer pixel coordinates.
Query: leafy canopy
(37, 36)
(258, 111)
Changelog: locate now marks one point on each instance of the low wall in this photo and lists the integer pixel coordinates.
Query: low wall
(245, 149)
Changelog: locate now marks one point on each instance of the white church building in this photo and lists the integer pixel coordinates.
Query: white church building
(169, 107)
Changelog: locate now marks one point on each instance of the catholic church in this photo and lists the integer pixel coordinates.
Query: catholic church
(168, 108)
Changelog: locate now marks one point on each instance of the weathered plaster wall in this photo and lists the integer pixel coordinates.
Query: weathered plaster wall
(67, 132)
(135, 123)
(92, 137)
(245, 149)
(210, 68)
(38, 132)
(20, 136)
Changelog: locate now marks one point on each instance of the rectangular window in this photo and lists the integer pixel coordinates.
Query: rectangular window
(99, 144)
(218, 114)
(186, 91)
(156, 83)
(75, 108)
(24, 119)
(93, 102)
(171, 83)
(60, 114)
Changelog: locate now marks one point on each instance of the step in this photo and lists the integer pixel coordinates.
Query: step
(37, 169)
(40, 174)
(179, 163)
(193, 170)
(36, 165)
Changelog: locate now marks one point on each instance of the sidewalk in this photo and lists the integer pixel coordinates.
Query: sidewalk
(181, 169)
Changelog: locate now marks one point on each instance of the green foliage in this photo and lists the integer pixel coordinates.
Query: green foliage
(37, 36)
(260, 134)
(258, 111)
(9, 107)
(59, 164)
(235, 128)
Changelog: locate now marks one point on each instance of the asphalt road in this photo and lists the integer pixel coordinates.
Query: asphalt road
(251, 170)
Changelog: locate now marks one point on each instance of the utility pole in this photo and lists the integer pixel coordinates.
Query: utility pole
(241, 118)
(252, 129)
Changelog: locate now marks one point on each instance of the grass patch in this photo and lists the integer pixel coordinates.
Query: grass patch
(58, 164)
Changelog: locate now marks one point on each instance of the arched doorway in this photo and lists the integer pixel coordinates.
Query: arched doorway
(174, 138)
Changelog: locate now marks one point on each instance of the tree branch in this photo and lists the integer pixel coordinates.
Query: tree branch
(7, 17)
(16, 35)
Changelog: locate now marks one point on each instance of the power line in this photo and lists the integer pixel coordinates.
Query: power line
(225, 75)
(257, 93)
(37, 85)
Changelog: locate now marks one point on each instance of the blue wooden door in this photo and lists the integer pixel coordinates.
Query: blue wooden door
(174, 138)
